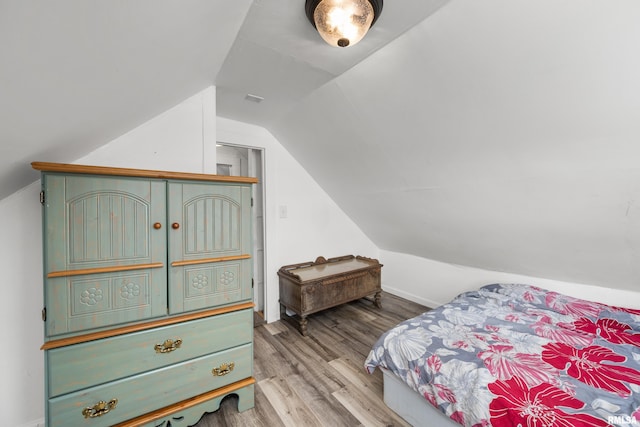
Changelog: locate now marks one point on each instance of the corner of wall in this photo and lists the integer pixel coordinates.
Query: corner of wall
(433, 283)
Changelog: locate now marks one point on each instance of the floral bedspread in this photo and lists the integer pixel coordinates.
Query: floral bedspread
(509, 355)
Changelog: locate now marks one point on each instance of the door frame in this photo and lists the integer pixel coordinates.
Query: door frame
(258, 196)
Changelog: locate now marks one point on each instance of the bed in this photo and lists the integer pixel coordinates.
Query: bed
(513, 354)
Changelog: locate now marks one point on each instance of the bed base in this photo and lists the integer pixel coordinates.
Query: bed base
(412, 407)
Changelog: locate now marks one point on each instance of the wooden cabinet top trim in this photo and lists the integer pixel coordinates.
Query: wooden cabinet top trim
(139, 173)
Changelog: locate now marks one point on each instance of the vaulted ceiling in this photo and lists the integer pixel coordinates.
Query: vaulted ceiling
(501, 134)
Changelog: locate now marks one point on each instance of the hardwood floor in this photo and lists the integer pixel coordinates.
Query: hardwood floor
(319, 380)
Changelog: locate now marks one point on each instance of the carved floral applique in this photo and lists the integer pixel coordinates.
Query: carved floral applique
(91, 296)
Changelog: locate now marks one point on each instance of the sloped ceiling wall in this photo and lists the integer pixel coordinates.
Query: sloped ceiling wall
(75, 74)
(498, 134)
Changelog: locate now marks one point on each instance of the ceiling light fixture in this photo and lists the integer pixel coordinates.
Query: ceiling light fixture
(343, 22)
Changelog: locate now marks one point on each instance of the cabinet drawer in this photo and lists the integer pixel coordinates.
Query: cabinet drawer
(84, 365)
(151, 390)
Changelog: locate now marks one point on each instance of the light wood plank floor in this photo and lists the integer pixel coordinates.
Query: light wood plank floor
(319, 380)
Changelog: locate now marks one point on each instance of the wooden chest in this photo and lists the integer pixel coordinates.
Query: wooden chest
(310, 287)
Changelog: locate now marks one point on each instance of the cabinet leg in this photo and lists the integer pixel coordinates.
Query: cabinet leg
(246, 398)
(378, 300)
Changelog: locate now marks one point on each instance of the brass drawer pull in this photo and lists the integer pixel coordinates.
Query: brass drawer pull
(99, 409)
(223, 369)
(168, 346)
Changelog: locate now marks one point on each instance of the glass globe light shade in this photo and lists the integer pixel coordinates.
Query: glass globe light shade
(343, 22)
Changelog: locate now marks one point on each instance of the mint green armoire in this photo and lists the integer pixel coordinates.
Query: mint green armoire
(148, 295)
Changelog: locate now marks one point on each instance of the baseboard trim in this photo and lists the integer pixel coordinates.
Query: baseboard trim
(411, 297)
(34, 423)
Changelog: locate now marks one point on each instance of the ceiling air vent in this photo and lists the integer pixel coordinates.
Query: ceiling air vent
(254, 98)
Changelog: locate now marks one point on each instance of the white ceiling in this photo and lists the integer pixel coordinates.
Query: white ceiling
(501, 134)
(278, 55)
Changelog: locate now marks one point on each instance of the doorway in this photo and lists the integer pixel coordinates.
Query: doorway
(234, 160)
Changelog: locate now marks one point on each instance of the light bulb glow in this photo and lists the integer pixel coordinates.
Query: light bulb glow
(343, 22)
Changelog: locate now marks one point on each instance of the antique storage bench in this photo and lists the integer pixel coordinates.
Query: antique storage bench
(310, 287)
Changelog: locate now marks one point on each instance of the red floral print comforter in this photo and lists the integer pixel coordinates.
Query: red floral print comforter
(509, 355)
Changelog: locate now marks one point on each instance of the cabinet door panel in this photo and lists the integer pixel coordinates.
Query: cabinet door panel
(80, 303)
(213, 223)
(209, 285)
(213, 220)
(95, 227)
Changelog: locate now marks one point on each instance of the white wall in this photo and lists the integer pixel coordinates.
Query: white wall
(22, 385)
(433, 283)
(181, 139)
(497, 134)
(314, 225)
